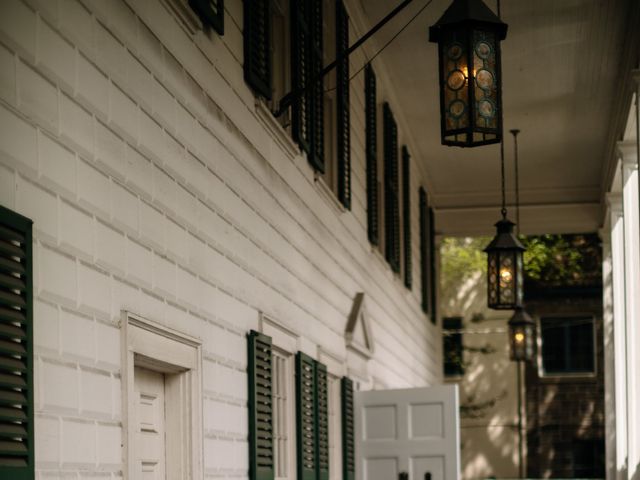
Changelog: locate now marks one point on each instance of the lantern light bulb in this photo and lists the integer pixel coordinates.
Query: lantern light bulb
(519, 337)
(506, 275)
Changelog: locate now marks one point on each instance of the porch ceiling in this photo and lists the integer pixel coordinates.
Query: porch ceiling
(562, 87)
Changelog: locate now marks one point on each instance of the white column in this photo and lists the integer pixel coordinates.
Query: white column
(609, 351)
(631, 209)
(616, 223)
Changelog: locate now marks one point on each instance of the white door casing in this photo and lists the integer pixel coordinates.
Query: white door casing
(410, 430)
(149, 424)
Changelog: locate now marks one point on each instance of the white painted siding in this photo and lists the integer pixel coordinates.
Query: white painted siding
(154, 186)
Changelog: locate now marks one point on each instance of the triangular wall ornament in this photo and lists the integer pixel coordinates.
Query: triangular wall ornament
(358, 333)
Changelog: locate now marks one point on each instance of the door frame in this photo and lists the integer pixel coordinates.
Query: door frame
(148, 344)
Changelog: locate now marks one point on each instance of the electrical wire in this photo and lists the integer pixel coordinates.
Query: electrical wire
(429, 2)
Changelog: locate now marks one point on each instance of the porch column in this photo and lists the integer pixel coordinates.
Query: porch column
(630, 205)
(609, 351)
(618, 307)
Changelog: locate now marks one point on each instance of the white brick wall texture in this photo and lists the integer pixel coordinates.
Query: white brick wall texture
(137, 150)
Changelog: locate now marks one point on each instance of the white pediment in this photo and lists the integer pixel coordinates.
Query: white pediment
(358, 334)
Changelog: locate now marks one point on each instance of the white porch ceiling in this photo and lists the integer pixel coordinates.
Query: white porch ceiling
(561, 84)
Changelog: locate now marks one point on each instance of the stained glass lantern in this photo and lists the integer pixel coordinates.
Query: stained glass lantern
(504, 268)
(522, 331)
(468, 37)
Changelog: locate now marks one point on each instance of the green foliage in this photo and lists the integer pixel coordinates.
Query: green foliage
(461, 258)
(563, 260)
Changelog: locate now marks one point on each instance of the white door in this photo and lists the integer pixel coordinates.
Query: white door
(412, 431)
(150, 424)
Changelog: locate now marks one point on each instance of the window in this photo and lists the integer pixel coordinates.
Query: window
(283, 415)
(568, 345)
(335, 428)
(211, 13)
(16, 347)
(452, 348)
(286, 45)
(161, 373)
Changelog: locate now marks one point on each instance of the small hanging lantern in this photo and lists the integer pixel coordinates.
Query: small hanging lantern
(504, 268)
(468, 37)
(522, 331)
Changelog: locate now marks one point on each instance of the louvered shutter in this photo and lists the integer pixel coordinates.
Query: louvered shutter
(257, 46)
(406, 216)
(432, 267)
(317, 91)
(16, 347)
(391, 207)
(211, 13)
(305, 417)
(342, 91)
(322, 422)
(261, 465)
(371, 142)
(424, 250)
(348, 434)
(300, 67)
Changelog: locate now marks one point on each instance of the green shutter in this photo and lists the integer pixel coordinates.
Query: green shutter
(322, 422)
(391, 207)
(424, 261)
(257, 46)
(261, 460)
(211, 13)
(300, 67)
(371, 148)
(433, 282)
(305, 417)
(16, 347)
(406, 216)
(342, 92)
(348, 434)
(316, 93)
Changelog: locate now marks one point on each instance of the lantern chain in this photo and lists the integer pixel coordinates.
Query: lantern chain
(515, 133)
(504, 199)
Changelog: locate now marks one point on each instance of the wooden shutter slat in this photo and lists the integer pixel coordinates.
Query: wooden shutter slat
(257, 46)
(348, 433)
(12, 282)
(12, 381)
(371, 140)
(8, 414)
(11, 299)
(406, 216)
(260, 411)
(8, 234)
(9, 265)
(343, 104)
(9, 347)
(13, 431)
(8, 397)
(9, 248)
(11, 315)
(10, 364)
(8, 331)
(321, 422)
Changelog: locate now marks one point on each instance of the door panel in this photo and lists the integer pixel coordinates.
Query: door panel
(411, 430)
(150, 424)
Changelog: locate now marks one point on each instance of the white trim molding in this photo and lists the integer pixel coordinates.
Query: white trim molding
(357, 316)
(153, 346)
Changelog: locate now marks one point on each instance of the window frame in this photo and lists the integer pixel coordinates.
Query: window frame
(566, 375)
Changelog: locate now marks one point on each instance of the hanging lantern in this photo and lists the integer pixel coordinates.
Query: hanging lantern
(468, 37)
(522, 330)
(504, 268)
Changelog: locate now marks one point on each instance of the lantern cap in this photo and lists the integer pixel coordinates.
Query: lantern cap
(520, 317)
(462, 12)
(504, 239)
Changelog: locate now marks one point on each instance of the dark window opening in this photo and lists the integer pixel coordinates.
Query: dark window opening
(452, 347)
(567, 345)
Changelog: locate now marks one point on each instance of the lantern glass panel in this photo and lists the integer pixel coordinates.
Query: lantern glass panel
(507, 277)
(455, 81)
(493, 277)
(519, 278)
(485, 75)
